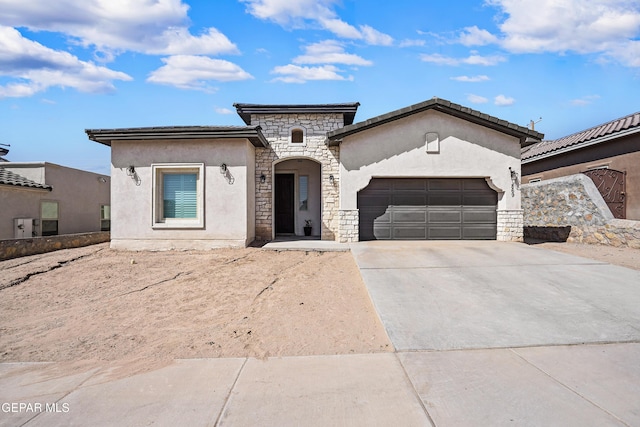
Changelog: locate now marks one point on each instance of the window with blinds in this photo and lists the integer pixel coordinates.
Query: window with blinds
(180, 195)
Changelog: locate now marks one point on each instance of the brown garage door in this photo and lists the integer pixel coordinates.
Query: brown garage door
(427, 209)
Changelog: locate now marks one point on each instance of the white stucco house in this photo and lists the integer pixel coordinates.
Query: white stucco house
(434, 170)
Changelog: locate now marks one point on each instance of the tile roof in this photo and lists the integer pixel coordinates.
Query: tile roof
(594, 135)
(526, 135)
(252, 133)
(348, 110)
(10, 178)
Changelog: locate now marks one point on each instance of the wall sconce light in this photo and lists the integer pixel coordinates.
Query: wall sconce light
(131, 171)
(332, 180)
(514, 181)
(102, 179)
(263, 179)
(223, 168)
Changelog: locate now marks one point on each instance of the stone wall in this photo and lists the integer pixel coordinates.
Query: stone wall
(15, 248)
(575, 201)
(349, 221)
(510, 226)
(277, 128)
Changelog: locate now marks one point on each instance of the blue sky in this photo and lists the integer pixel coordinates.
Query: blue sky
(68, 65)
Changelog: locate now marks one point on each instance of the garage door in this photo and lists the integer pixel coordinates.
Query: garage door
(427, 209)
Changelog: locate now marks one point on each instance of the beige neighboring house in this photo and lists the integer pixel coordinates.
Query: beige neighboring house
(434, 170)
(45, 199)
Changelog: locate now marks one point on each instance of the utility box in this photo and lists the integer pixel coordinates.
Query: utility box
(23, 228)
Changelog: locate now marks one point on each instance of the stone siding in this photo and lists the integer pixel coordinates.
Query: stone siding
(575, 201)
(349, 221)
(510, 226)
(277, 128)
(15, 248)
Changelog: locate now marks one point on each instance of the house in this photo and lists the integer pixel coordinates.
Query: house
(45, 199)
(609, 154)
(434, 170)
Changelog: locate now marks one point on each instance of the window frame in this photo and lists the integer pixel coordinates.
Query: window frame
(50, 219)
(104, 218)
(158, 171)
(304, 136)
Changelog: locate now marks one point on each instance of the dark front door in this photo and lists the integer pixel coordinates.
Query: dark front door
(611, 184)
(427, 209)
(284, 203)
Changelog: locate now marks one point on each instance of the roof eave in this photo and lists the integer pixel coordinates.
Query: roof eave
(348, 110)
(526, 136)
(579, 146)
(105, 136)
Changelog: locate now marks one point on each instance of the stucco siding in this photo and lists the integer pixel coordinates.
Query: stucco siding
(227, 195)
(398, 149)
(79, 194)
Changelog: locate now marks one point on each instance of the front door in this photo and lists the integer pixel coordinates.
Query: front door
(284, 203)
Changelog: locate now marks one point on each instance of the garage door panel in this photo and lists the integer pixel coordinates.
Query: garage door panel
(486, 199)
(444, 233)
(382, 232)
(408, 184)
(479, 217)
(418, 215)
(409, 199)
(410, 233)
(444, 199)
(436, 184)
(442, 216)
(427, 208)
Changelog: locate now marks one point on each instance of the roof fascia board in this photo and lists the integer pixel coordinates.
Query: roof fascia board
(335, 137)
(583, 145)
(254, 135)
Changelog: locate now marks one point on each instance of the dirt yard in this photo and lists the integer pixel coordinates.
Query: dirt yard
(94, 303)
(97, 304)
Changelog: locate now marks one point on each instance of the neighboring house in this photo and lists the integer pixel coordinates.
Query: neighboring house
(609, 154)
(45, 199)
(434, 170)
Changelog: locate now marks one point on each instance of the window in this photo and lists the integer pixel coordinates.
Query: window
(178, 196)
(105, 218)
(297, 136)
(49, 218)
(303, 187)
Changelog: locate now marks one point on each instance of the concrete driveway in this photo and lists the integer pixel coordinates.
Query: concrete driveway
(493, 333)
(486, 294)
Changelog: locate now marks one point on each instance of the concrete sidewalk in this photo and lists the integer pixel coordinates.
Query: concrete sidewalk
(551, 386)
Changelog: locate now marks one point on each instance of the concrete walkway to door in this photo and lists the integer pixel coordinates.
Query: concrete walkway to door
(494, 333)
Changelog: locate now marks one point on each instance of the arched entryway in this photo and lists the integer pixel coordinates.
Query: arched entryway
(297, 197)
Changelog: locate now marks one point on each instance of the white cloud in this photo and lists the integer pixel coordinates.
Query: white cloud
(473, 59)
(297, 74)
(146, 26)
(329, 52)
(474, 36)
(222, 110)
(37, 67)
(375, 37)
(194, 72)
(609, 27)
(469, 79)
(503, 101)
(300, 13)
(585, 100)
(412, 42)
(477, 99)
